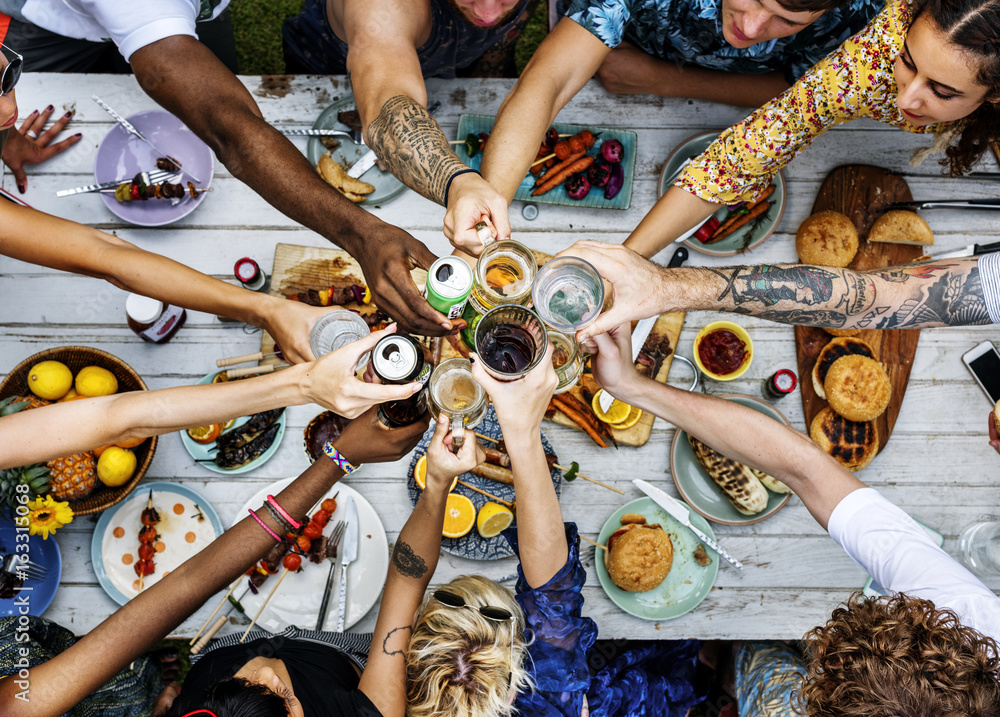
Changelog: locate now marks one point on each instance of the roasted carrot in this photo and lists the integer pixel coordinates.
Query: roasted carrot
(741, 221)
(552, 166)
(579, 420)
(553, 178)
(724, 227)
(584, 409)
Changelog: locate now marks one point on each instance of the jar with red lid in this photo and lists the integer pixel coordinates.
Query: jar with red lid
(152, 320)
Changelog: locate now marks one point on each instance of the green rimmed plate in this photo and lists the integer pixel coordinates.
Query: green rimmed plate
(701, 493)
(735, 242)
(475, 124)
(687, 583)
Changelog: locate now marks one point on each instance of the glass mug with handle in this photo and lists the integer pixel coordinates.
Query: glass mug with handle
(452, 391)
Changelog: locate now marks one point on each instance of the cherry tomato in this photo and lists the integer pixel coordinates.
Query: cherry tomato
(304, 543)
(321, 517)
(313, 531)
(576, 144)
(147, 534)
(146, 551)
(562, 150)
(588, 138)
(706, 230)
(329, 505)
(144, 568)
(292, 562)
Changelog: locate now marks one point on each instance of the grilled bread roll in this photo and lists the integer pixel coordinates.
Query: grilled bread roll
(639, 557)
(853, 444)
(738, 482)
(827, 238)
(842, 346)
(857, 388)
(901, 227)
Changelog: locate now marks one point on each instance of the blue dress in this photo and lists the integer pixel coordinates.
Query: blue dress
(633, 678)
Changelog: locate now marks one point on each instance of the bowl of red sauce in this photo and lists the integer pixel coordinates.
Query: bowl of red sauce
(723, 350)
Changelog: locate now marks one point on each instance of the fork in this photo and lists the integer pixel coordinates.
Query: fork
(335, 538)
(14, 564)
(353, 134)
(154, 177)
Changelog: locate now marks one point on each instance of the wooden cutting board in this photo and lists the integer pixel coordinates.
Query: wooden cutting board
(299, 268)
(862, 193)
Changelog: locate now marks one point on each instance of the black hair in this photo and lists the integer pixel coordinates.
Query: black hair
(234, 697)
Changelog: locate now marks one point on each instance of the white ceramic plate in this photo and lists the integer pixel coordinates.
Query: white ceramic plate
(298, 597)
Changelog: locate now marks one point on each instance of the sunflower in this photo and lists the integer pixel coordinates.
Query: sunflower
(46, 516)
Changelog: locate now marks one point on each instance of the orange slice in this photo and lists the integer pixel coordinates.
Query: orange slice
(617, 413)
(633, 418)
(459, 516)
(420, 474)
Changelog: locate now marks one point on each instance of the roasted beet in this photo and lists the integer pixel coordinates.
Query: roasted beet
(612, 151)
(599, 173)
(551, 137)
(615, 183)
(578, 186)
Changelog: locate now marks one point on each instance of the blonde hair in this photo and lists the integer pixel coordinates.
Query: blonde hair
(457, 661)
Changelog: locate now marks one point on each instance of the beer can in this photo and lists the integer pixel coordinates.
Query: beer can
(781, 383)
(449, 281)
(399, 359)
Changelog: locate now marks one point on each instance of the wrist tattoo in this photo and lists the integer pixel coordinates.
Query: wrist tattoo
(410, 142)
(385, 642)
(407, 562)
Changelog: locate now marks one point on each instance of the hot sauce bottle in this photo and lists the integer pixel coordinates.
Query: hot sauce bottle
(152, 320)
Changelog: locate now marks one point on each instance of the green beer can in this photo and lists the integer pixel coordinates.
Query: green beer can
(449, 282)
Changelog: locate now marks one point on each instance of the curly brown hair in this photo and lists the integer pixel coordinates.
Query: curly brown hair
(899, 656)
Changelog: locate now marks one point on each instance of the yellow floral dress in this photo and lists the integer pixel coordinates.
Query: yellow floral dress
(854, 81)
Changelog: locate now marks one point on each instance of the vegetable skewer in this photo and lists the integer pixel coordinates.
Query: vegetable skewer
(571, 474)
(264, 605)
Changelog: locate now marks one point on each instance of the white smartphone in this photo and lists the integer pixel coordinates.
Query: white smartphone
(983, 363)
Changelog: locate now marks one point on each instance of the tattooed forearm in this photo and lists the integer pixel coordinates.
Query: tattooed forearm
(403, 639)
(412, 145)
(941, 295)
(407, 562)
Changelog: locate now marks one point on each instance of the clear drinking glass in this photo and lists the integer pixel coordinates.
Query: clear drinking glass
(511, 341)
(452, 390)
(335, 330)
(567, 359)
(979, 547)
(503, 275)
(568, 294)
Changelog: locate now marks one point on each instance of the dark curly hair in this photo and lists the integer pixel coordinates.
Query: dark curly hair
(899, 656)
(974, 27)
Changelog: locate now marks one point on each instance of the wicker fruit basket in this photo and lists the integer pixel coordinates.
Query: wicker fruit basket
(77, 357)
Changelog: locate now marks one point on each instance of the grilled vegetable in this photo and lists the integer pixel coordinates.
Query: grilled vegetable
(599, 173)
(770, 482)
(612, 151)
(236, 457)
(578, 186)
(737, 481)
(242, 435)
(615, 182)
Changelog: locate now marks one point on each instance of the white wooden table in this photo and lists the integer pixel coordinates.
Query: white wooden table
(938, 465)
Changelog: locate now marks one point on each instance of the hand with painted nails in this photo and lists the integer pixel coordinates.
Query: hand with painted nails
(33, 144)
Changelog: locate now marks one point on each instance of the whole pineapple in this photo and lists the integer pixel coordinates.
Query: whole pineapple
(35, 476)
(73, 477)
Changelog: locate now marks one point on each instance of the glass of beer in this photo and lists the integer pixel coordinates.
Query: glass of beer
(568, 294)
(511, 341)
(335, 330)
(567, 359)
(452, 391)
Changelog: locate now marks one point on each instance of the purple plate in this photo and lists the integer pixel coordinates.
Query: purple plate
(122, 156)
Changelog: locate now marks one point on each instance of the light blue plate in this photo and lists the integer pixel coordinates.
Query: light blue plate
(733, 244)
(205, 452)
(595, 199)
(103, 561)
(472, 545)
(41, 552)
(687, 583)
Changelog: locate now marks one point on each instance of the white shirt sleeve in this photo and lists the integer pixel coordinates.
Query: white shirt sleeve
(989, 275)
(899, 554)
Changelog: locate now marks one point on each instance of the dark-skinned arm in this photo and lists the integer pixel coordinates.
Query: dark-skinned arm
(265, 160)
(57, 685)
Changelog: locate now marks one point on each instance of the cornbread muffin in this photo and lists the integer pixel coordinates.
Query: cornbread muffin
(639, 557)
(857, 388)
(901, 227)
(837, 348)
(827, 238)
(854, 444)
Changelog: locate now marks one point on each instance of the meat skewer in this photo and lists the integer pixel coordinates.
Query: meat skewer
(264, 605)
(147, 537)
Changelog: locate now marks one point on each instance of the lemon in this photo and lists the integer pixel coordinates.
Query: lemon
(70, 395)
(96, 381)
(115, 466)
(633, 418)
(50, 380)
(420, 474)
(459, 516)
(493, 519)
(618, 412)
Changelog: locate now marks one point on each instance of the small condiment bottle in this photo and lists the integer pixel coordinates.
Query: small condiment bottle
(250, 275)
(152, 320)
(780, 384)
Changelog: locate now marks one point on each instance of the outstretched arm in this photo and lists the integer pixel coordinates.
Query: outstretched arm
(57, 685)
(260, 156)
(946, 292)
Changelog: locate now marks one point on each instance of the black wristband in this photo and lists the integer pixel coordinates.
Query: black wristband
(447, 188)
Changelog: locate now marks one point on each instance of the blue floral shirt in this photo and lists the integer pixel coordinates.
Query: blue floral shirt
(690, 31)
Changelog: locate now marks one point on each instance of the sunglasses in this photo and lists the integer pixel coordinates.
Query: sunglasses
(11, 71)
(496, 614)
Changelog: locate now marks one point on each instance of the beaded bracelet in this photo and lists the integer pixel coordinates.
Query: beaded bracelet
(262, 525)
(288, 519)
(447, 187)
(277, 517)
(334, 455)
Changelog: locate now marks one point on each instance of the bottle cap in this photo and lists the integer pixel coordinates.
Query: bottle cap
(142, 309)
(529, 211)
(246, 270)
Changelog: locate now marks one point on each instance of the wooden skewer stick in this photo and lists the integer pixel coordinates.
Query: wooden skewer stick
(546, 158)
(149, 505)
(200, 645)
(260, 355)
(266, 601)
(564, 469)
(487, 438)
(592, 542)
(253, 370)
(488, 495)
(217, 608)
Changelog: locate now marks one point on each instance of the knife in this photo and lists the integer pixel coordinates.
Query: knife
(971, 250)
(130, 128)
(316, 133)
(948, 204)
(363, 164)
(642, 329)
(682, 514)
(350, 554)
